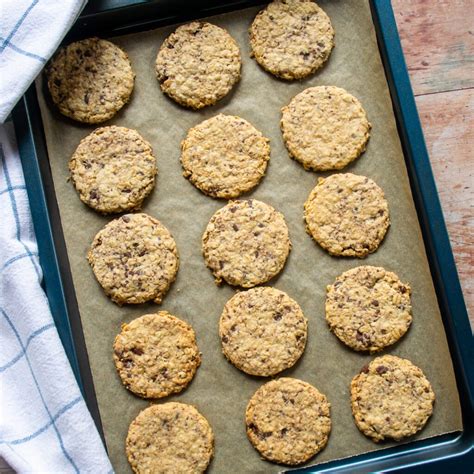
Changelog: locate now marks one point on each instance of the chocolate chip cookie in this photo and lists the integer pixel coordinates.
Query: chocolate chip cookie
(288, 421)
(347, 215)
(198, 64)
(134, 258)
(291, 38)
(246, 243)
(113, 169)
(225, 156)
(156, 355)
(169, 438)
(90, 80)
(263, 331)
(325, 128)
(391, 398)
(368, 308)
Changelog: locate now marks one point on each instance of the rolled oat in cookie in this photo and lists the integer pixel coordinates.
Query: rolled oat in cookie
(224, 156)
(291, 38)
(391, 398)
(198, 64)
(288, 421)
(347, 215)
(90, 80)
(156, 355)
(368, 308)
(134, 258)
(246, 243)
(113, 169)
(171, 438)
(325, 128)
(263, 331)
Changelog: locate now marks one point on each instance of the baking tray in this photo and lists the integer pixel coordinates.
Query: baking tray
(453, 452)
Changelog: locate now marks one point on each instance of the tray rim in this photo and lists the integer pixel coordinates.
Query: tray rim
(429, 455)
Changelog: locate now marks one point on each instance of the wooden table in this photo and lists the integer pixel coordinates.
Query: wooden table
(438, 42)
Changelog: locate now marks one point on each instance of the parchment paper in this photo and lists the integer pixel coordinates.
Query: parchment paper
(219, 390)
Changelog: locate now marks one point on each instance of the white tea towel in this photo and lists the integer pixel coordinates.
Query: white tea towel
(30, 32)
(44, 423)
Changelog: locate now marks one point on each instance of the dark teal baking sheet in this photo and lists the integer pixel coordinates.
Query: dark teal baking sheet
(446, 453)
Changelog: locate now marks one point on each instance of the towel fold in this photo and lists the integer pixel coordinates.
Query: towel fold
(30, 32)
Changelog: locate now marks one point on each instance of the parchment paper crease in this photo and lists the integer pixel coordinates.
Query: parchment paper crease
(219, 390)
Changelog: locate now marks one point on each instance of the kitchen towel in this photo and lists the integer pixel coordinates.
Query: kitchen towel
(44, 422)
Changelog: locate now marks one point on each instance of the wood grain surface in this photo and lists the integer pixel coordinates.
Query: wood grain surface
(438, 41)
(5, 468)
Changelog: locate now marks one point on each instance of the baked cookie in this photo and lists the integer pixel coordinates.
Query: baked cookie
(263, 331)
(368, 308)
(90, 80)
(391, 398)
(246, 243)
(325, 128)
(134, 258)
(224, 156)
(170, 438)
(291, 38)
(198, 64)
(156, 355)
(288, 421)
(113, 169)
(347, 215)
